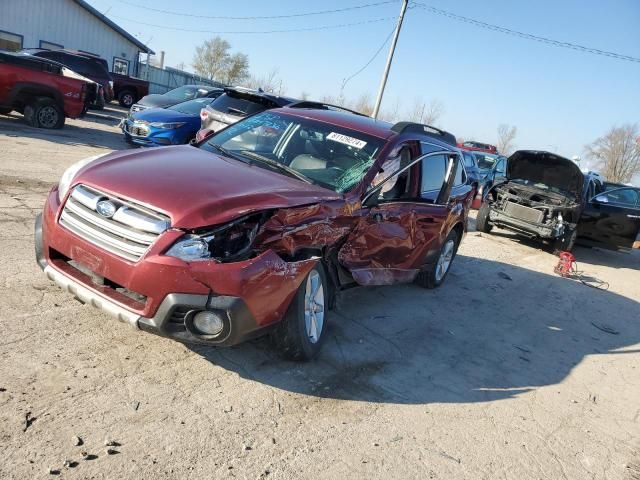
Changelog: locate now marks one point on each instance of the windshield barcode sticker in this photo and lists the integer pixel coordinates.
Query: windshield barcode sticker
(352, 142)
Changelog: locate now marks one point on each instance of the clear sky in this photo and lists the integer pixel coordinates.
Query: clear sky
(559, 99)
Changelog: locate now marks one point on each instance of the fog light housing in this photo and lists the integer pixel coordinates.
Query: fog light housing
(208, 323)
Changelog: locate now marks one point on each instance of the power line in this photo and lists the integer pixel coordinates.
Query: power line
(228, 32)
(265, 17)
(527, 36)
(386, 40)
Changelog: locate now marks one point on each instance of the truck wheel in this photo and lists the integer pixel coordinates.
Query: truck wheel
(302, 331)
(126, 99)
(566, 242)
(482, 219)
(44, 113)
(435, 275)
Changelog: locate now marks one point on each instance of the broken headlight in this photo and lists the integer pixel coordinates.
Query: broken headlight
(228, 242)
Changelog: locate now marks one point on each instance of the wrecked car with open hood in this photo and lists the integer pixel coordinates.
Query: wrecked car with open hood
(541, 197)
(255, 229)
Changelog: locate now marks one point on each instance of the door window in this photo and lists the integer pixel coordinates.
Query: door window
(627, 197)
(461, 175)
(433, 171)
(501, 167)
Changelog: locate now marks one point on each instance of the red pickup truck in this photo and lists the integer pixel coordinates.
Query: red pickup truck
(44, 91)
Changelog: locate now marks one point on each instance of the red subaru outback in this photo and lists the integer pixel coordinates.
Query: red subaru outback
(258, 227)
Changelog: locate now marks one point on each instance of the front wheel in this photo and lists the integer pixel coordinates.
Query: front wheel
(435, 275)
(302, 331)
(482, 219)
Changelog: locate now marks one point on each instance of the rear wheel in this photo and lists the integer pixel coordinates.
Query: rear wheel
(482, 219)
(44, 112)
(302, 331)
(126, 99)
(435, 275)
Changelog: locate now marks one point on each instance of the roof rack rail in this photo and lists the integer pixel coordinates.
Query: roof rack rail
(428, 130)
(323, 106)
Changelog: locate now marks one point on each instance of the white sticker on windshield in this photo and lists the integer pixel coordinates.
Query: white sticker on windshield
(352, 142)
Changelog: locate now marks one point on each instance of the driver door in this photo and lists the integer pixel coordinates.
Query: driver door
(612, 220)
(389, 243)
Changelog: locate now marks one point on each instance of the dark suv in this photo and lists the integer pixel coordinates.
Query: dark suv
(87, 66)
(235, 104)
(175, 96)
(256, 229)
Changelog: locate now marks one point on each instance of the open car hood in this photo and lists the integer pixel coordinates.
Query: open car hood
(197, 188)
(546, 168)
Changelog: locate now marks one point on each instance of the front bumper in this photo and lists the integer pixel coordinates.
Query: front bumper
(503, 220)
(158, 293)
(154, 137)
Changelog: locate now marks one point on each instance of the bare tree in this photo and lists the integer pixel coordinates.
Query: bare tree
(304, 95)
(363, 104)
(506, 136)
(423, 112)
(271, 82)
(617, 153)
(181, 66)
(211, 59)
(237, 69)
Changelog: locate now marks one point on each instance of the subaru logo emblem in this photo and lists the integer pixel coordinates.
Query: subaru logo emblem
(106, 208)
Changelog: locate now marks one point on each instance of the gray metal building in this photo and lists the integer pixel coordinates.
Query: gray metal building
(71, 24)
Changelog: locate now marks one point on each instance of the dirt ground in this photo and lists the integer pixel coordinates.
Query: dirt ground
(506, 372)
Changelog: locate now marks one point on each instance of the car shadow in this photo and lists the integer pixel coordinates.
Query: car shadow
(493, 331)
(13, 125)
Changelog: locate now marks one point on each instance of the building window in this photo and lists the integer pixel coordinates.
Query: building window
(50, 45)
(10, 41)
(121, 66)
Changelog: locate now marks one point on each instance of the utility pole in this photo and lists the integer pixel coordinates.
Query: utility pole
(385, 75)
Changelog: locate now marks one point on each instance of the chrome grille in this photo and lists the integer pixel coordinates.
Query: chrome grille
(132, 128)
(524, 213)
(127, 233)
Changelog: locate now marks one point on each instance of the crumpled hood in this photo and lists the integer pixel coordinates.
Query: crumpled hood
(547, 168)
(197, 188)
(158, 101)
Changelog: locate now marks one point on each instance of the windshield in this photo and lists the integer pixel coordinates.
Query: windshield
(191, 107)
(326, 155)
(186, 92)
(486, 161)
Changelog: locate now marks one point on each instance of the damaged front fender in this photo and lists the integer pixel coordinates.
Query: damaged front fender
(266, 283)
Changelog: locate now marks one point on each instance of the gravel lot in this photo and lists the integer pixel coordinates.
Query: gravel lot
(501, 373)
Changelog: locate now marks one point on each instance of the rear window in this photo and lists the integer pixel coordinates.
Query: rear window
(191, 107)
(83, 66)
(240, 107)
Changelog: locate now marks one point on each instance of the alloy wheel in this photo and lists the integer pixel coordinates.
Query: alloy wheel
(314, 306)
(48, 117)
(444, 261)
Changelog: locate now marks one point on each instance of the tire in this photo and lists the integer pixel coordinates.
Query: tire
(566, 242)
(295, 336)
(44, 112)
(482, 219)
(100, 102)
(437, 273)
(126, 98)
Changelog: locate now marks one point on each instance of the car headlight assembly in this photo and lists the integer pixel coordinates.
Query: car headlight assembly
(167, 126)
(226, 243)
(70, 173)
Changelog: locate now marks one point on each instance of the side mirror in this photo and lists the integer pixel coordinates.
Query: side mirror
(602, 198)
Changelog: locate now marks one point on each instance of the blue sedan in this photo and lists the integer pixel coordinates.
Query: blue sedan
(156, 127)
